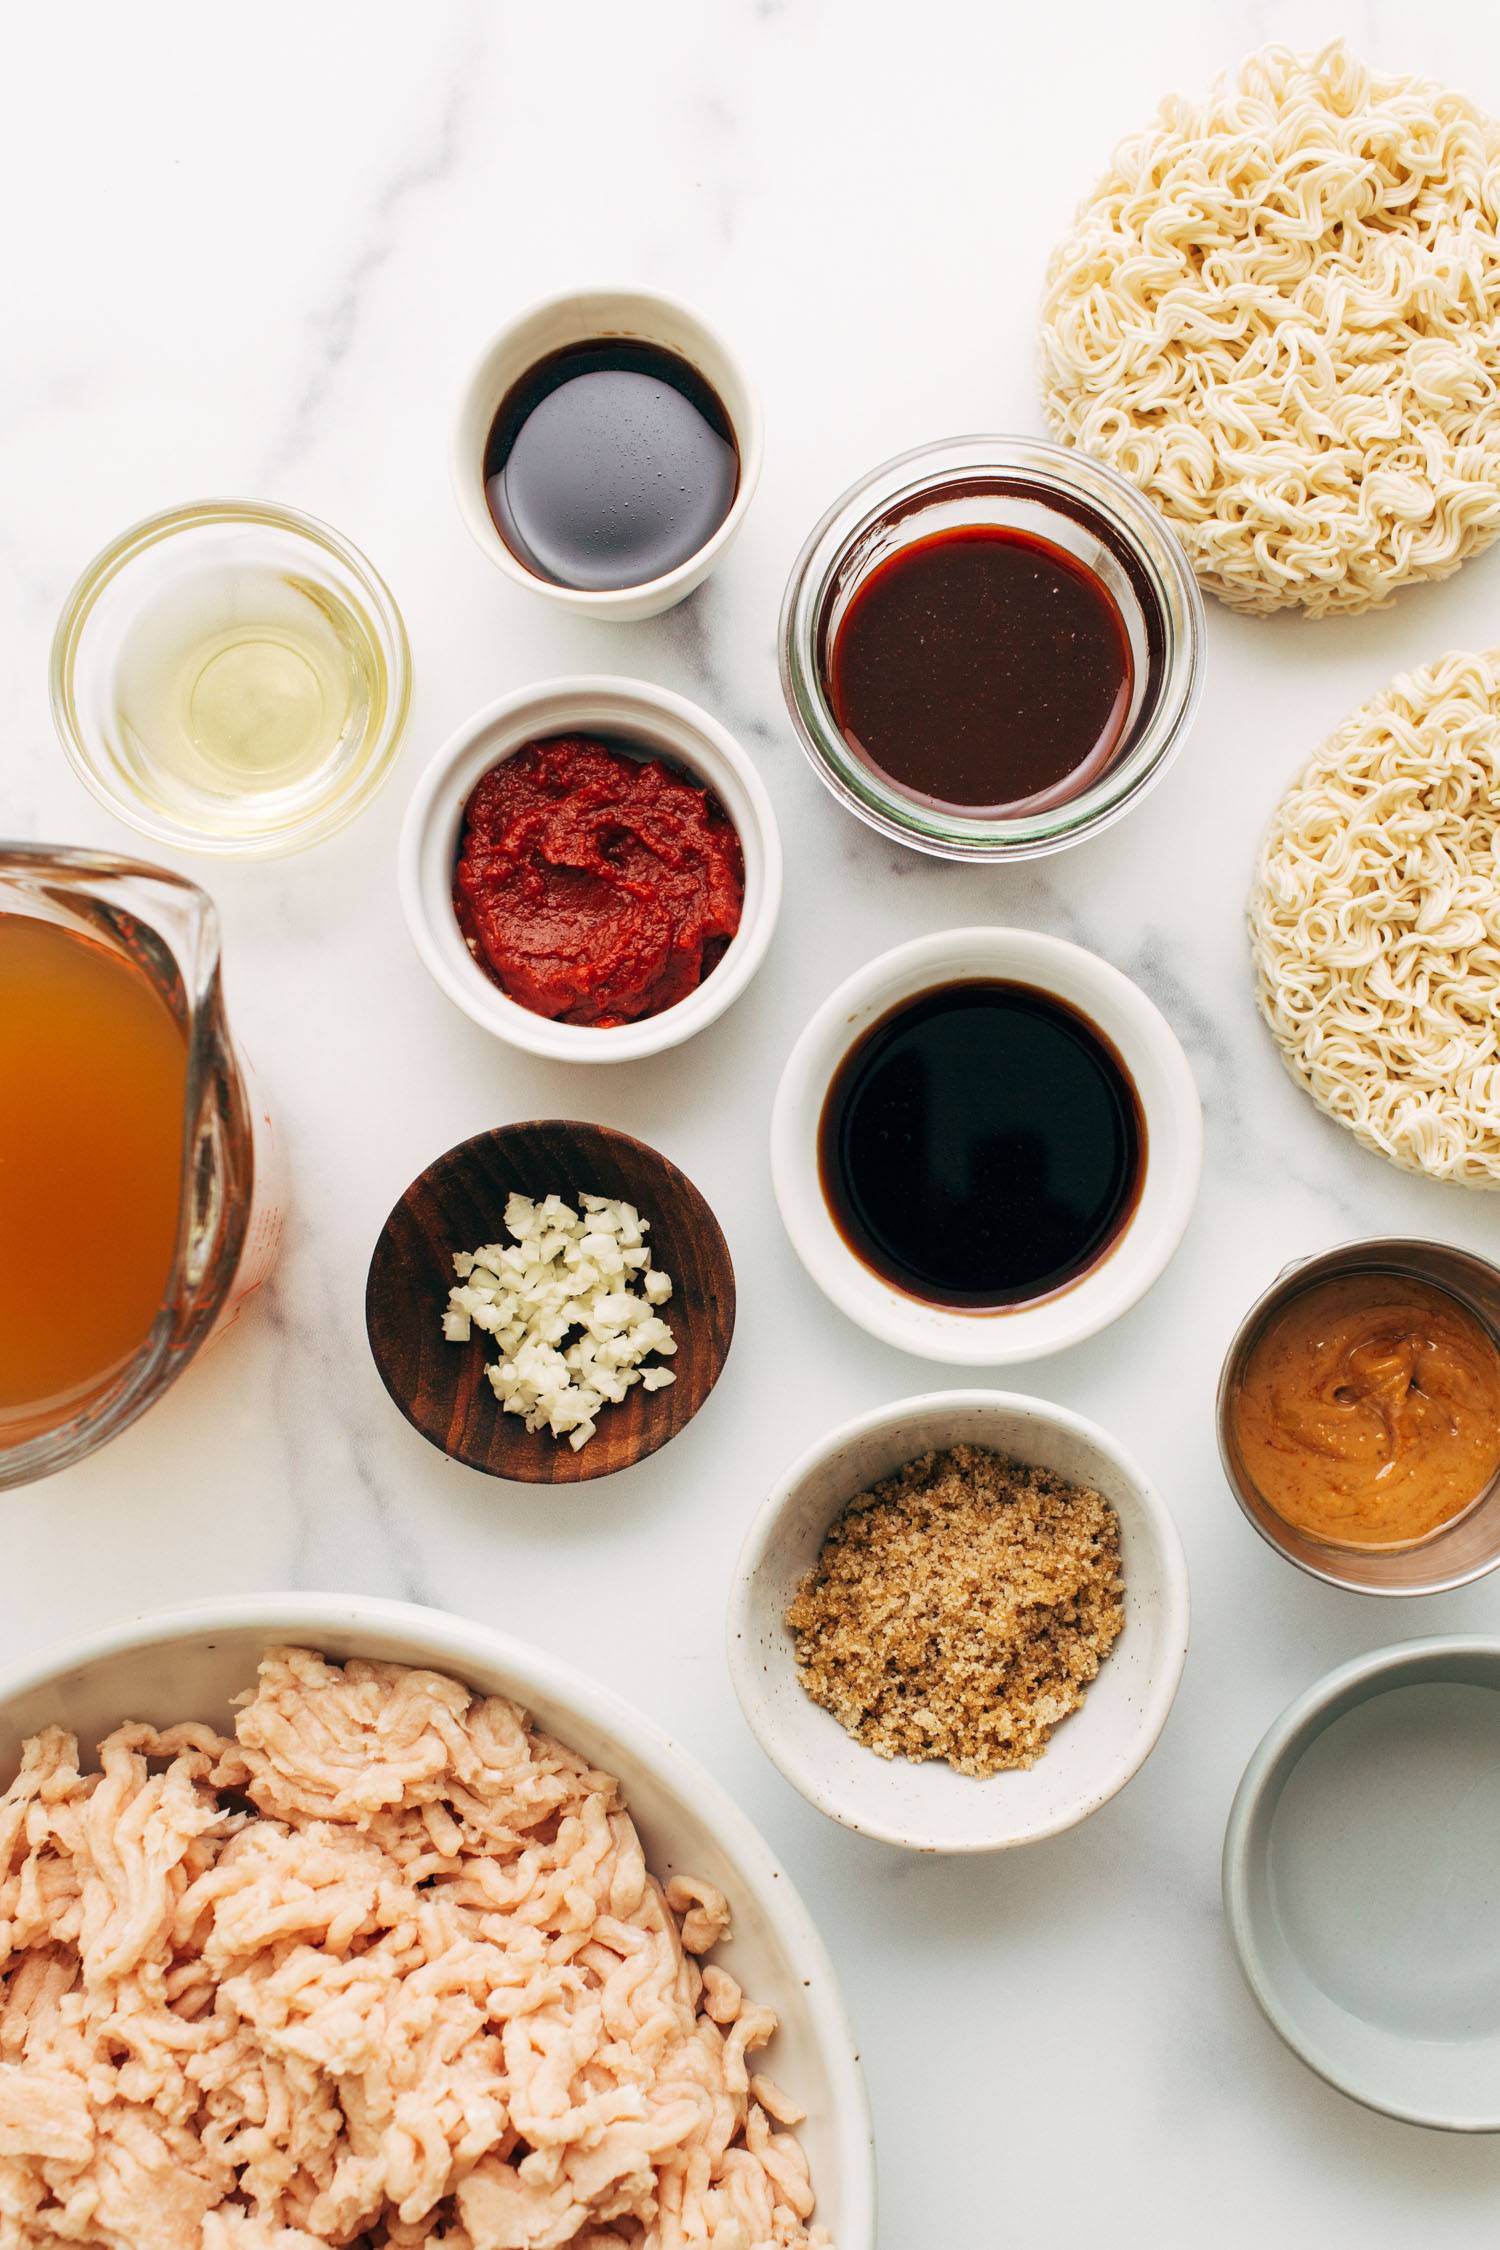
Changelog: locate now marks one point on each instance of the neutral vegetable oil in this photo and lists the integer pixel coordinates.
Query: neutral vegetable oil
(258, 689)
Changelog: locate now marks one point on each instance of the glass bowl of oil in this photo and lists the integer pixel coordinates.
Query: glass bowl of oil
(231, 677)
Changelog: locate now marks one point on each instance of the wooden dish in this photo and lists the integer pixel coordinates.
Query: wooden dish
(458, 1203)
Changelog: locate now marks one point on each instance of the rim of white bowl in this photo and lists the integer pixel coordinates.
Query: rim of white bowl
(1163, 1683)
(1271, 1763)
(668, 726)
(459, 1641)
(1174, 1145)
(648, 312)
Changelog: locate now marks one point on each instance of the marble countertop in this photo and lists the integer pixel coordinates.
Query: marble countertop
(255, 255)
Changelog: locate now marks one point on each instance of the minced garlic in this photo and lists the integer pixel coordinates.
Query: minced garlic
(571, 1303)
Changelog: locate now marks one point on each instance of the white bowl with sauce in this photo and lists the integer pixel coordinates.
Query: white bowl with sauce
(658, 724)
(1170, 1161)
(929, 1807)
(191, 1662)
(583, 316)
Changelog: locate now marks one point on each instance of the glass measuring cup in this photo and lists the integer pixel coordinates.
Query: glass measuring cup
(231, 1198)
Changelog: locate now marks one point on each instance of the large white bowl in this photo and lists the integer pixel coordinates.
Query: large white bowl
(662, 725)
(929, 1807)
(1150, 1051)
(189, 1663)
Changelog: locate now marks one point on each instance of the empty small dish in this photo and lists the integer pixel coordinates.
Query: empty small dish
(457, 1204)
(930, 1807)
(1361, 1886)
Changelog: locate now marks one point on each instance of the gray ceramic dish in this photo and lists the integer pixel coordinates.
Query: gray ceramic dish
(1362, 1881)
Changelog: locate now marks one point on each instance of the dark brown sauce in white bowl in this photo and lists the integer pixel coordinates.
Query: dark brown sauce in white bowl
(982, 1145)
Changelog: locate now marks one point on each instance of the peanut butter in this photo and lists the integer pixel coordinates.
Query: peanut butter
(1368, 1413)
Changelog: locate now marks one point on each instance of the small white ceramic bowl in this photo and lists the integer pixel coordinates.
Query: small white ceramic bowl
(581, 316)
(663, 725)
(190, 1663)
(1360, 1880)
(1163, 1080)
(929, 1807)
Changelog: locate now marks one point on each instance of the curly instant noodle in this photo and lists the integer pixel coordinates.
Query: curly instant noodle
(1375, 922)
(387, 1968)
(1279, 315)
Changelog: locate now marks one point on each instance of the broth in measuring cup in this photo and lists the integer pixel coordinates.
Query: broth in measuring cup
(93, 1076)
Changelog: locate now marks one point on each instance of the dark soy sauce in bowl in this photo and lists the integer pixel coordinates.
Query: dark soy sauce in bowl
(981, 1146)
(983, 670)
(609, 464)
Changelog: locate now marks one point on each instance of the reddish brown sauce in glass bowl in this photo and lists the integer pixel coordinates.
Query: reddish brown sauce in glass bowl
(983, 668)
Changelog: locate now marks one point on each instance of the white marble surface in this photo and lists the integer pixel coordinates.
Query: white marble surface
(253, 251)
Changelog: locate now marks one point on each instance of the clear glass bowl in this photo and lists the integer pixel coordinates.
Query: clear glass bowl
(231, 677)
(1065, 497)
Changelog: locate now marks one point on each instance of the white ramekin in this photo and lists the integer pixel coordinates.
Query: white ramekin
(581, 316)
(929, 1807)
(189, 1664)
(663, 724)
(1149, 1049)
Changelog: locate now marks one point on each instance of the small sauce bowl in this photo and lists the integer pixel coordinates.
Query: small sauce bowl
(1457, 1552)
(1024, 485)
(1171, 1159)
(660, 725)
(581, 316)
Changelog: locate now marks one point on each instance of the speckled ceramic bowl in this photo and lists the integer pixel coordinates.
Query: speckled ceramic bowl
(929, 1807)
